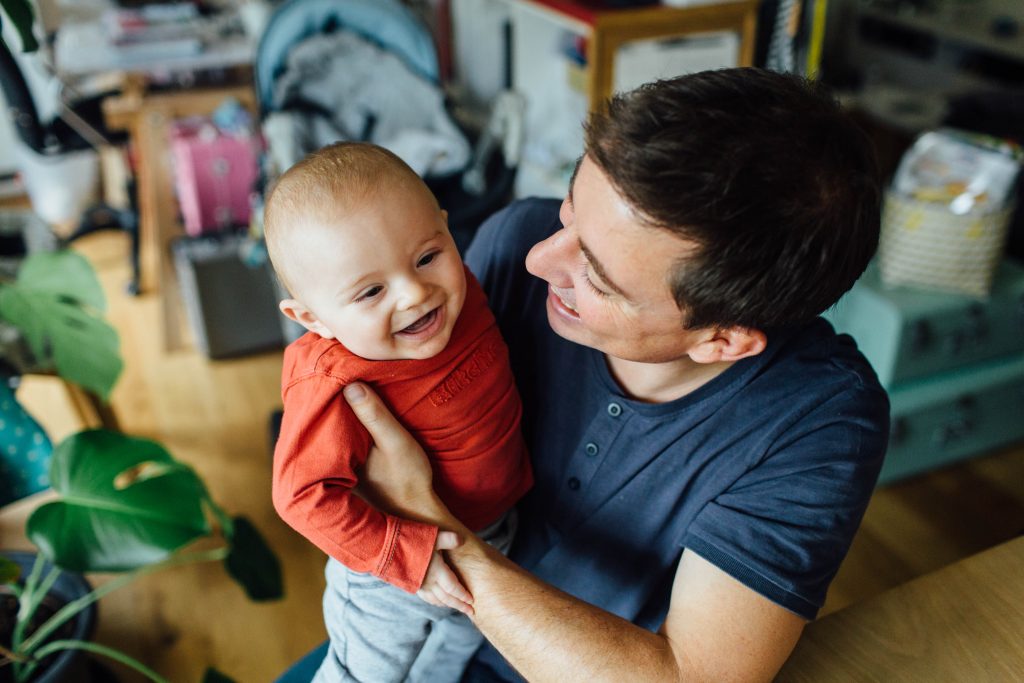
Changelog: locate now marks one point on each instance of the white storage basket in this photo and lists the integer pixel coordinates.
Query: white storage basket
(925, 244)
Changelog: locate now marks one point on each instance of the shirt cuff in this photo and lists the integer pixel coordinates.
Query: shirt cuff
(411, 545)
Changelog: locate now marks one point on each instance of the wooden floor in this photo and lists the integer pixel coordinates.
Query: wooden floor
(214, 416)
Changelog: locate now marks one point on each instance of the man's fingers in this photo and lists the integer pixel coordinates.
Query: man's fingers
(386, 431)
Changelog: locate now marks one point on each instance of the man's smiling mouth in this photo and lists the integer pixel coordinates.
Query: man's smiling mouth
(563, 298)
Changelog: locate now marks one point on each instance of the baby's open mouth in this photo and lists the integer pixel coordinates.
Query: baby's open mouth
(421, 323)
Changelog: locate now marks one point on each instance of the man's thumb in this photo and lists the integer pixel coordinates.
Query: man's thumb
(383, 427)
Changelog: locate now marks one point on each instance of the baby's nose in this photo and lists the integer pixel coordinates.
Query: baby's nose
(414, 292)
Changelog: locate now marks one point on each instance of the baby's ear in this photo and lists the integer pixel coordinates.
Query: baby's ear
(294, 310)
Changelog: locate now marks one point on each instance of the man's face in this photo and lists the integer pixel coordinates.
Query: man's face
(383, 277)
(608, 275)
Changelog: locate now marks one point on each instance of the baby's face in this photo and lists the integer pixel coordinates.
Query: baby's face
(384, 279)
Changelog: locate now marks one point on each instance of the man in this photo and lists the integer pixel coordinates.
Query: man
(704, 445)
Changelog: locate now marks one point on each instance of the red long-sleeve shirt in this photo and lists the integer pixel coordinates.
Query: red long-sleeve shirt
(461, 405)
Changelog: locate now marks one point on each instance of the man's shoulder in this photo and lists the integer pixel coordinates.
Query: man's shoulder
(530, 214)
(817, 351)
(508, 234)
(816, 375)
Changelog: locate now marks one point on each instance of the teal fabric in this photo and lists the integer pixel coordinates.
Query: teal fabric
(24, 450)
(388, 23)
(303, 670)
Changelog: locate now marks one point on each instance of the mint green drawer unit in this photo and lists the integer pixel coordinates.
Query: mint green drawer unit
(909, 333)
(955, 415)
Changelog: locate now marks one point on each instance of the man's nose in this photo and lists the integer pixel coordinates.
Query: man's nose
(551, 259)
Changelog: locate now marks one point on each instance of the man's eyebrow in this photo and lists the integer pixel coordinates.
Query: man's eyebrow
(575, 172)
(601, 272)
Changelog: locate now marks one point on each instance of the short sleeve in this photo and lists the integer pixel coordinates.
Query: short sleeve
(784, 527)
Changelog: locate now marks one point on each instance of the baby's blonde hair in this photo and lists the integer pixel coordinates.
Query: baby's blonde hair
(324, 185)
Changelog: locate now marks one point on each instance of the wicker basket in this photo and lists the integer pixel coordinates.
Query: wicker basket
(924, 244)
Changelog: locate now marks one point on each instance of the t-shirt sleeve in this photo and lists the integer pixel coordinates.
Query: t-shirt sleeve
(319, 448)
(784, 526)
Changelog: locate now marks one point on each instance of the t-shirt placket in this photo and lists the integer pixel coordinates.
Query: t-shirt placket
(598, 441)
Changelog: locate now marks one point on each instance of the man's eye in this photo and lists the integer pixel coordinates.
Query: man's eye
(371, 292)
(427, 258)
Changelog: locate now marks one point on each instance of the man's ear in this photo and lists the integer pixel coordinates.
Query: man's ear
(729, 344)
(294, 310)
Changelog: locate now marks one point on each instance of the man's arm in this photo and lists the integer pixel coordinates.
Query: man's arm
(716, 628)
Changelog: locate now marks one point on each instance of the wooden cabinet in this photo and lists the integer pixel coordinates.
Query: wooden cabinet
(567, 58)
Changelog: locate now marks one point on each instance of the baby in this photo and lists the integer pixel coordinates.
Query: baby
(364, 250)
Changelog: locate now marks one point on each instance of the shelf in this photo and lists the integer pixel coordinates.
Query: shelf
(972, 31)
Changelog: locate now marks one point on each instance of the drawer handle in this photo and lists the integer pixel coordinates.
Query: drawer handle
(954, 431)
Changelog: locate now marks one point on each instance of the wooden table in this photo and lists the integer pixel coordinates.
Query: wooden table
(148, 118)
(964, 622)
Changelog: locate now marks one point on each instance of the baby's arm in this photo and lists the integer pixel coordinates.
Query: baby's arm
(320, 444)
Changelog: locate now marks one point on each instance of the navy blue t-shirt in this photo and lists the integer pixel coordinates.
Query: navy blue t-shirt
(765, 471)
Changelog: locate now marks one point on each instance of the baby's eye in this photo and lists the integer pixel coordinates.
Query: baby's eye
(370, 293)
(427, 258)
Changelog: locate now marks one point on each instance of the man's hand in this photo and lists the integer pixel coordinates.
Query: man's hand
(397, 476)
(441, 587)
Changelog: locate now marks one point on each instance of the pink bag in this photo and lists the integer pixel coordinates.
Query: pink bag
(214, 174)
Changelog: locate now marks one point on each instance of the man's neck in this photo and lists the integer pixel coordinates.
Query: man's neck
(663, 382)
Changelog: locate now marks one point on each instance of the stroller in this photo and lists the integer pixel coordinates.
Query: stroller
(367, 70)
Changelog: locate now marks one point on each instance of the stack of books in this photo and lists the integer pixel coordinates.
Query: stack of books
(155, 31)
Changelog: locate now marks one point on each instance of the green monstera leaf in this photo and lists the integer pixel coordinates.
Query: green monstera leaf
(10, 571)
(57, 304)
(124, 503)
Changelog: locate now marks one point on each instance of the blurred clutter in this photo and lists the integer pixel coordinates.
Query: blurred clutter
(215, 168)
(341, 86)
(368, 70)
(161, 39)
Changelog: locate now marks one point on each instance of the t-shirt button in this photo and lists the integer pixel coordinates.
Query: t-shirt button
(574, 483)
(591, 448)
(614, 409)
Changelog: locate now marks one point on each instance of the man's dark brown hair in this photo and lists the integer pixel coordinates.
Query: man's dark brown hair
(765, 172)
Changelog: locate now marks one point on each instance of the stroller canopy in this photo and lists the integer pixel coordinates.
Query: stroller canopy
(385, 22)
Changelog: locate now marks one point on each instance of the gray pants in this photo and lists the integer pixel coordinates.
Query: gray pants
(380, 633)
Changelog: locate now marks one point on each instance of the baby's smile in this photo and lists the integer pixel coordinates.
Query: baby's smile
(426, 326)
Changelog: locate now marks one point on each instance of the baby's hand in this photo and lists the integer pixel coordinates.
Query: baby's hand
(440, 586)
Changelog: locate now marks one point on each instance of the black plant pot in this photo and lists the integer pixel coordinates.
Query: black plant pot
(67, 666)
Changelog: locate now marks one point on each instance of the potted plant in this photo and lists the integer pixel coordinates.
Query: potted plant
(124, 504)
